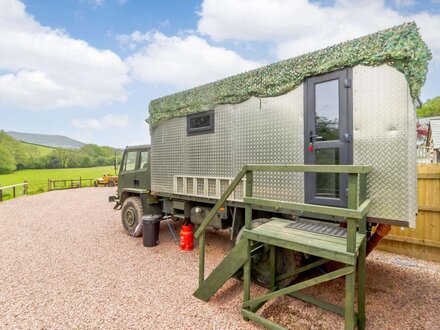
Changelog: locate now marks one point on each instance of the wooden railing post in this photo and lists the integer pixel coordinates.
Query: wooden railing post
(202, 258)
(13, 192)
(353, 203)
(1, 195)
(248, 207)
(25, 188)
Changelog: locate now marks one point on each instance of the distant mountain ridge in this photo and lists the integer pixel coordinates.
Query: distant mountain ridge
(55, 141)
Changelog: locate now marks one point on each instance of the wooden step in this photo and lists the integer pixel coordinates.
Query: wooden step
(279, 233)
(233, 261)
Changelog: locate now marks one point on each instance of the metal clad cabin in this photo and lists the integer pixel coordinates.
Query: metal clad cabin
(352, 103)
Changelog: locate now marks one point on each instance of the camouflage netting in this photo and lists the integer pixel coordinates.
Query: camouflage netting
(400, 47)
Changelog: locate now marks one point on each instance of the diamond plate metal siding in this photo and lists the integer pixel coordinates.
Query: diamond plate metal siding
(382, 122)
(412, 162)
(270, 132)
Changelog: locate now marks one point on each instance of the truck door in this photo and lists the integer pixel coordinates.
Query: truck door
(143, 172)
(328, 133)
(127, 175)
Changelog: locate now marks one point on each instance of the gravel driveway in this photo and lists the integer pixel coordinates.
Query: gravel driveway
(65, 262)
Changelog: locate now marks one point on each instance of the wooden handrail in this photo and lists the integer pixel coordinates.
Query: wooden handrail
(302, 207)
(357, 208)
(14, 185)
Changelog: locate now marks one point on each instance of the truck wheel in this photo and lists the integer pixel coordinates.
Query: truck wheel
(286, 261)
(131, 215)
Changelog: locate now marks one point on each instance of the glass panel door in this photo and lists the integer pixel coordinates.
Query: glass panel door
(328, 131)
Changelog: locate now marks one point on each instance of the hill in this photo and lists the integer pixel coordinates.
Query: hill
(55, 141)
(39, 150)
(18, 155)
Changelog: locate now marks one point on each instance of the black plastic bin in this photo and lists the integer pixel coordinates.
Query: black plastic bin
(150, 228)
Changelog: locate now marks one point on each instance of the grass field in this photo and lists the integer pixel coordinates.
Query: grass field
(37, 179)
(41, 150)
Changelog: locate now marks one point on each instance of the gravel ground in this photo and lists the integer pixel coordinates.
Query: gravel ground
(65, 262)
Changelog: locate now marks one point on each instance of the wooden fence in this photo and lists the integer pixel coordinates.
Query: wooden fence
(423, 241)
(68, 183)
(14, 189)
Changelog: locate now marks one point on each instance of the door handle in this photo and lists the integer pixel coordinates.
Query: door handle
(347, 137)
(314, 136)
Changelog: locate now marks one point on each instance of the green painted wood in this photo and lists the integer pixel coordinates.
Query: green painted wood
(350, 287)
(219, 203)
(353, 203)
(362, 187)
(323, 304)
(255, 308)
(344, 257)
(261, 320)
(272, 267)
(353, 195)
(310, 168)
(327, 210)
(247, 273)
(302, 269)
(364, 207)
(248, 207)
(233, 261)
(361, 286)
(324, 246)
(278, 225)
(300, 286)
(351, 235)
(202, 259)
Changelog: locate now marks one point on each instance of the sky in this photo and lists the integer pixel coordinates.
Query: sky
(88, 69)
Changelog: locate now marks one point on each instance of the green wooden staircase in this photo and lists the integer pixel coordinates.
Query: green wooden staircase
(223, 272)
(349, 249)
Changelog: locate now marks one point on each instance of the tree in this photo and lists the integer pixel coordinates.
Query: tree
(7, 162)
(62, 155)
(430, 108)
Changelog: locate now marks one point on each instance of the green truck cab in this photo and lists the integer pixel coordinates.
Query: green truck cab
(134, 183)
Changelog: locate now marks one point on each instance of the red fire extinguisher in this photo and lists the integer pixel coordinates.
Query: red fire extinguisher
(186, 238)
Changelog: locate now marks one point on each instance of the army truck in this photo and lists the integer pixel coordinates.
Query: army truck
(349, 104)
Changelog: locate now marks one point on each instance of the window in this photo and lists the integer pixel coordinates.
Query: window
(327, 110)
(130, 161)
(144, 160)
(200, 123)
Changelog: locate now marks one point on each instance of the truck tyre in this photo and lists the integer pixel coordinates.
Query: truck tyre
(131, 215)
(286, 261)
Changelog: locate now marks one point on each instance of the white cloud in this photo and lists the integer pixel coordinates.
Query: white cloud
(43, 67)
(185, 61)
(133, 39)
(299, 26)
(106, 122)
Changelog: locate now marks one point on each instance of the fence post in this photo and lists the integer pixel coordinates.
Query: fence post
(80, 182)
(13, 192)
(25, 188)
(1, 195)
